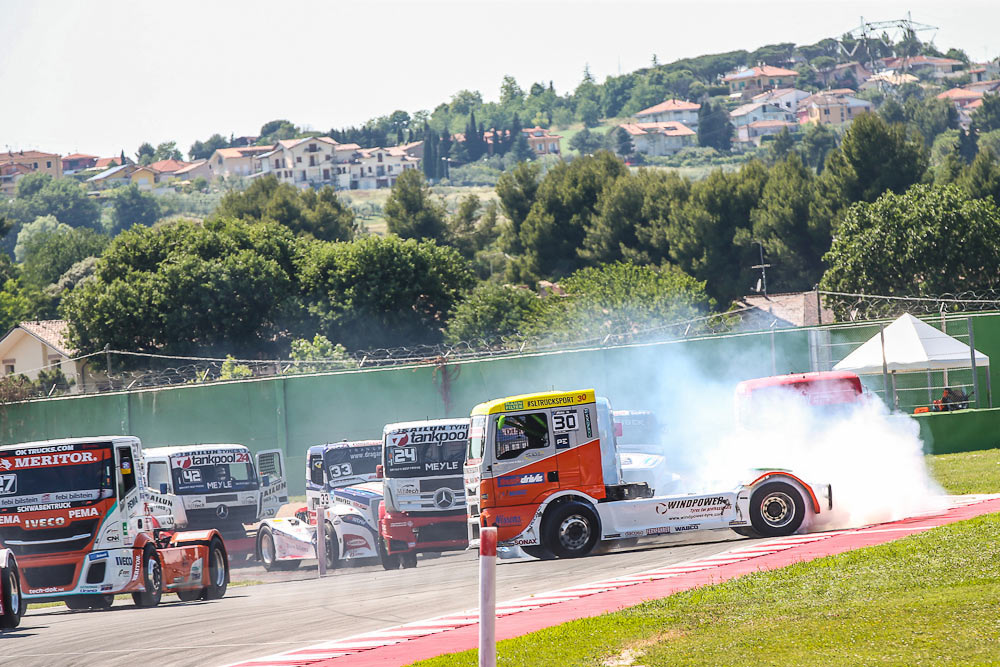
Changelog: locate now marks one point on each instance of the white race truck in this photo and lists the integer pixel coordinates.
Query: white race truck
(214, 486)
(545, 470)
(342, 480)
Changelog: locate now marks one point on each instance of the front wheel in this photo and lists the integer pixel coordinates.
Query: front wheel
(538, 551)
(332, 547)
(13, 604)
(408, 560)
(265, 547)
(218, 572)
(389, 561)
(570, 530)
(776, 509)
(746, 531)
(152, 579)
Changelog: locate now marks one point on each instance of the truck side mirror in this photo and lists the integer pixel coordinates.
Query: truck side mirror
(379, 471)
(163, 488)
(266, 480)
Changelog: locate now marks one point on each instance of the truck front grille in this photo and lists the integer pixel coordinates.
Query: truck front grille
(432, 485)
(442, 532)
(74, 537)
(49, 575)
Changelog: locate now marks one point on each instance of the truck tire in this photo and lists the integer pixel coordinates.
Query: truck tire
(265, 547)
(152, 579)
(408, 560)
(190, 595)
(776, 509)
(218, 574)
(389, 561)
(332, 547)
(570, 530)
(13, 603)
(538, 551)
(746, 531)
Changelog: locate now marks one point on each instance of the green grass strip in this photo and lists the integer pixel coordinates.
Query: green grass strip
(967, 472)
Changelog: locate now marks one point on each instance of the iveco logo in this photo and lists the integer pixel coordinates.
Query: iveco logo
(444, 498)
(222, 511)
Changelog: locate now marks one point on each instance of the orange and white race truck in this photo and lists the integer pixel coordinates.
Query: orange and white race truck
(75, 512)
(424, 496)
(545, 470)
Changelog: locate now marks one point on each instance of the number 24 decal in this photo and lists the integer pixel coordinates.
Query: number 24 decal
(404, 455)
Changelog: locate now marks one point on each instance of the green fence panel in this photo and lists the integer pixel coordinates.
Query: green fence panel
(959, 431)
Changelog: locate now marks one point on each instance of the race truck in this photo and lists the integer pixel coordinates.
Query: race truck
(641, 451)
(424, 508)
(215, 486)
(544, 469)
(830, 391)
(11, 604)
(76, 514)
(342, 480)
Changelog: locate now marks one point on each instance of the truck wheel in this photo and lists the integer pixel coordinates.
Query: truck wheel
(218, 579)
(190, 594)
(408, 560)
(13, 604)
(776, 509)
(152, 579)
(265, 547)
(746, 531)
(332, 548)
(101, 601)
(389, 561)
(538, 551)
(570, 530)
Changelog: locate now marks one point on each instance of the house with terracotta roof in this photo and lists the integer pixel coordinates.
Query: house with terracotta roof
(786, 98)
(887, 79)
(108, 162)
(832, 107)
(47, 163)
(43, 344)
(851, 72)
(753, 112)
(78, 162)
(127, 174)
(753, 80)
(193, 170)
(543, 142)
(664, 138)
(754, 132)
(165, 169)
(306, 162)
(240, 161)
(10, 174)
(672, 110)
(935, 66)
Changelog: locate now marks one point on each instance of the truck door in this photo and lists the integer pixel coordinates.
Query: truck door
(166, 508)
(271, 464)
(128, 494)
(524, 468)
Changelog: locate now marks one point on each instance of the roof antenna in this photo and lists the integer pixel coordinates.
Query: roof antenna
(762, 282)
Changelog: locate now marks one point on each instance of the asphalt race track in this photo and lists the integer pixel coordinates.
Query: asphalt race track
(269, 618)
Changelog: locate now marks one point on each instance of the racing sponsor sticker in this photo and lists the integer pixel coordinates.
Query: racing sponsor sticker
(711, 501)
(519, 479)
(690, 526)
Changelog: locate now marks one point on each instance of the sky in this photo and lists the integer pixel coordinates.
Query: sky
(100, 77)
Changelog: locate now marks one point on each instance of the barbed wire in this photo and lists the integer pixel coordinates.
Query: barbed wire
(854, 307)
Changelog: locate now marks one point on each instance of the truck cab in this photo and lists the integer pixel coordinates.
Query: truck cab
(545, 470)
(214, 486)
(828, 391)
(424, 509)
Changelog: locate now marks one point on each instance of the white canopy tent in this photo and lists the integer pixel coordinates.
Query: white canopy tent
(910, 345)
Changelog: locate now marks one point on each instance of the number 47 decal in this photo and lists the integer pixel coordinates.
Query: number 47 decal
(8, 484)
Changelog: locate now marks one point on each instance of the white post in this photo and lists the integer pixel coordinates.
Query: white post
(322, 503)
(487, 597)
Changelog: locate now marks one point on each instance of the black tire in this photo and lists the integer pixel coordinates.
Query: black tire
(218, 571)
(101, 601)
(746, 531)
(570, 530)
(332, 548)
(13, 603)
(190, 595)
(152, 579)
(389, 561)
(265, 549)
(538, 551)
(77, 602)
(408, 560)
(776, 509)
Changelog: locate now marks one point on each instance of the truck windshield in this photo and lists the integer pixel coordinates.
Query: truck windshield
(74, 474)
(426, 450)
(212, 472)
(345, 464)
(477, 438)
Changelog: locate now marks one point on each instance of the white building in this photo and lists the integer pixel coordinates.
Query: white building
(671, 110)
(374, 168)
(241, 161)
(756, 111)
(39, 344)
(660, 138)
(308, 162)
(786, 98)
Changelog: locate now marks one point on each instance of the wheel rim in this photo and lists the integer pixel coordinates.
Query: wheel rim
(15, 598)
(267, 549)
(153, 575)
(777, 509)
(220, 568)
(574, 532)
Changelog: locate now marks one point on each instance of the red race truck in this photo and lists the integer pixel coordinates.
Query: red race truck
(76, 514)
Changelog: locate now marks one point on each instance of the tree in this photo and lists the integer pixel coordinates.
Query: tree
(318, 355)
(521, 149)
(931, 117)
(411, 211)
(202, 150)
(872, 158)
(383, 291)
(623, 142)
(714, 128)
(491, 313)
(586, 142)
(817, 142)
(132, 206)
(274, 130)
(41, 225)
(39, 194)
(145, 153)
(925, 241)
(167, 151)
(224, 285)
(987, 117)
(589, 113)
(982, 178)
(516, 190)
(47, 256)
(892, 111)
(782, 144)
(511, 94)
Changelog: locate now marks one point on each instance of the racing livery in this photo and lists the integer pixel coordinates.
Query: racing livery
(76, 515)
(424, 507)
(545, 470)
(342, 480)
(214, 486)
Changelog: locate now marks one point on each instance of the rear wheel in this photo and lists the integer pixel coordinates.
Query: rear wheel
(332, 547)
(746, 531)
(389, 561)
(570, 530)
(538, 551)
(190, 595)
(13, 605)
(408, 560)
(152, 579)
(218, 573)
(265, 547)
(78, 602)
(776, 509)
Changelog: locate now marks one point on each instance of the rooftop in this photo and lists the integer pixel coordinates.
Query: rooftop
(51, 332)
(669, 105)
(669, 128)
(760, 70)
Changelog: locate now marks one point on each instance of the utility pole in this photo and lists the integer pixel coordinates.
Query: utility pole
(763, 268)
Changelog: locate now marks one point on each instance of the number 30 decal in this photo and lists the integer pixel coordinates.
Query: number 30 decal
(564, 421)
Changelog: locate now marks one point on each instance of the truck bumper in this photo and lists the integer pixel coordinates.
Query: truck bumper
(404, 533)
